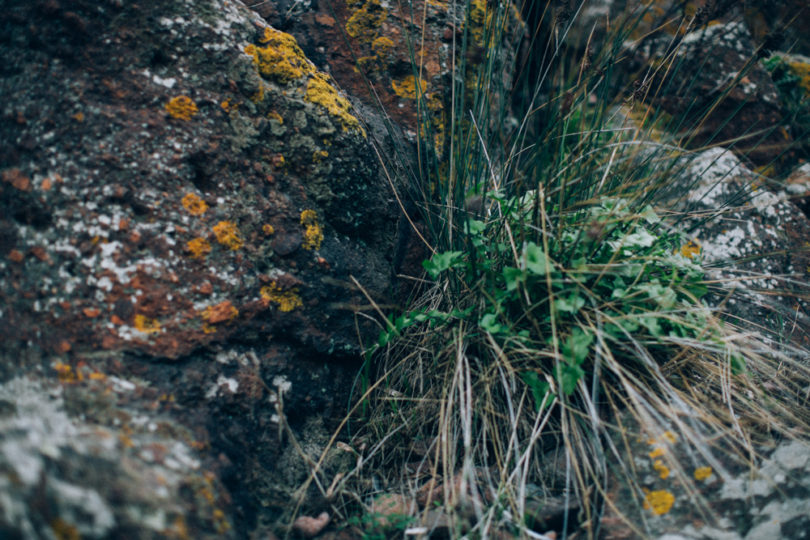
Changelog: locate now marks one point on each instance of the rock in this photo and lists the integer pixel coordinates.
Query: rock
(185, 199)
(310, 527)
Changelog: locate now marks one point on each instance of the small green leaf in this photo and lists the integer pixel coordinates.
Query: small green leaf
(576, 347)
(489, 322)
(539, 388)
(569, 377)
(536, 259)
(512, 277)
(571, 305)
(649, 215)
(441, 262)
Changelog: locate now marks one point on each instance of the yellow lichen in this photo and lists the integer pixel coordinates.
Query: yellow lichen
(282, 60)
(273, 115)
(365, 22)
(661, 469)
(407, 87)
(194, 204)
(208, 329)
(313, 234)
(480, 21)
(382, 46)
(319, 155)
(658, 452)
(198, 247)
(268, 229)
(702, 473)
(669, 437)
(660, 502)
(228, 235)
(690, 250)
(286, 300)
(147, 325)
(320, 92)
(181, 107)
(802, 71)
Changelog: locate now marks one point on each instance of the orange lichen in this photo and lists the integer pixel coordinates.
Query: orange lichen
(198, 247)
(407, 87)
(222, 312)
(320, 92)
(313, 234)
(319, 155)
(268, 229)
(228, 235)
(147, 325)
(181, 107)
(66, 373)
(670, 437)
(702, 473)
(690, 250)
(365, 22)
(273, 115)
(286, 300)
(660, 502)
(194, 204)
(661, 469)
(208, 329)
(282, 60)
(658, 452)
(229, 105)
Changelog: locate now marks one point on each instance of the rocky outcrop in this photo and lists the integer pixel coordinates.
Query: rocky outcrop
(189, 209)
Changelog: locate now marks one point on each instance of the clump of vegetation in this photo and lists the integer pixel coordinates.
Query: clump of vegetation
(560, 303)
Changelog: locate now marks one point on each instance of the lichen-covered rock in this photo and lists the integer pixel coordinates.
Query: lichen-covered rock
(401, 58)
(189, 209)
(681, 494)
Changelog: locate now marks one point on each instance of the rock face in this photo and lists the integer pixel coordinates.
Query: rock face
(185, 200)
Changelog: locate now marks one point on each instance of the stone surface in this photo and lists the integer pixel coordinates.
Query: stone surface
(185, 200)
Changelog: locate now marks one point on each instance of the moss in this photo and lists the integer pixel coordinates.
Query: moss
(181, 108)
(285, 300)
(320, 92)
(194, 204)
(365, 22)
(228, 235)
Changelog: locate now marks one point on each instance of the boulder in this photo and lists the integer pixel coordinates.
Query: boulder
(193, 222)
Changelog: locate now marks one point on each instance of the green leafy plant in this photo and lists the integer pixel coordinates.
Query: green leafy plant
(560, 301)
